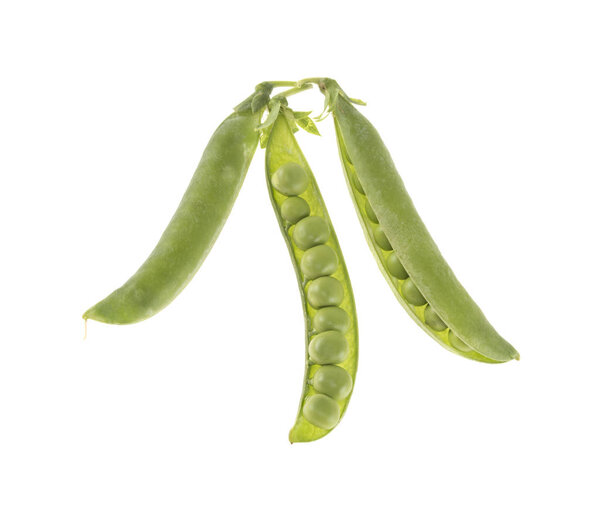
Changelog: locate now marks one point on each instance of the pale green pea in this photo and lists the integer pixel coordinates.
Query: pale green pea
(290, 179)
(394, 266)
(325, 291)
(358, 185)
(333, 381)
(294, 208)
(457, 343)
(370, 213)
(319, 261)
(381, 239)
(329, 347)
(311, 231)
(433, 320)
(331, 318)
(322, 411)
(348, 159)
(412, 294)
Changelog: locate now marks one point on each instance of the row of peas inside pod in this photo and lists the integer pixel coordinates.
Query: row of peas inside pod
(332, 338)
(392, 264)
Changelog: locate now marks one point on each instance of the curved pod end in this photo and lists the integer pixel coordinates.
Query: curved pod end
(193, 229)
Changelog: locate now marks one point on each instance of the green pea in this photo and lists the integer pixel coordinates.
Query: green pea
(331, 318)
(333, 381)
(290, 179)
(433, 320)
(319, 261)
(329, 347)
(325, 291)
(394, 267)
(311, 231)
(358, 185)
(348, 159)
(294, 208)
(457, 343)
(412, 294)
(370, 213)
(322, 411)
(381, 239)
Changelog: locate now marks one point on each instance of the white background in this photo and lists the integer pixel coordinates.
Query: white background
(491, 111)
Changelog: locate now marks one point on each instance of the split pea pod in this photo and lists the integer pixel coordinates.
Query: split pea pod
(405, 251)
(327, 298)
(193, 229)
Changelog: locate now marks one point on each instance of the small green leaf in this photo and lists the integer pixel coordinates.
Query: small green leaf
(301, 115)
(289, 115)
(259, 101)
(273, 112)
(325, 111)
(264, 136)
(357, 101)
(245, 105)
(307, 124)
(261, 96)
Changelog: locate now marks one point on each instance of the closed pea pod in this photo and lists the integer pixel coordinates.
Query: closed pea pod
(327, 299)
(407, 255)
(193, 229)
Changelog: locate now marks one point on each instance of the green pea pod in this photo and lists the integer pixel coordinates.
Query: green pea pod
(327, 299)
(193, 228)
(405, 251)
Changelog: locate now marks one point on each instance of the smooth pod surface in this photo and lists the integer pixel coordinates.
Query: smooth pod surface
(331, 339)
(193, 229)
(404, 249)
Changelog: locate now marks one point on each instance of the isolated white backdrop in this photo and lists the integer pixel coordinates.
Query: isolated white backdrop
(491, 112)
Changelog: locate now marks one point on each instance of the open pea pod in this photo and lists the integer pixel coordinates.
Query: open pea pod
(405, 251)
(327, 298)
(194, 227)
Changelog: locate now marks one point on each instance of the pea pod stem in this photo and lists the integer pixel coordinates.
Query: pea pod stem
(275, 84)
(293, 91)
